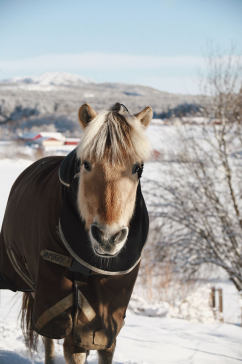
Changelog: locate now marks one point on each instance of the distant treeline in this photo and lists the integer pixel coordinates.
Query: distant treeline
(179, 111)
(18, 113)
(22, 119)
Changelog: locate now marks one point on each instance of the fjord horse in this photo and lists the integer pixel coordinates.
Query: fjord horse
(73, 234)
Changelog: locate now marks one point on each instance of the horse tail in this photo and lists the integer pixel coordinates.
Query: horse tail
(30, 336)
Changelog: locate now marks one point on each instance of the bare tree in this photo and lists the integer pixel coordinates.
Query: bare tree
(199, 212)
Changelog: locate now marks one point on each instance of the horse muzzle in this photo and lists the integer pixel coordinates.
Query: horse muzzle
(105, 243)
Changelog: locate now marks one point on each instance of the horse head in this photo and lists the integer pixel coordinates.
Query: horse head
(110, 158)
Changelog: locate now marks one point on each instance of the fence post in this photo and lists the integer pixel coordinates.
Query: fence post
(213, 297)
(217, 311)
(220, 304)
(212, 301)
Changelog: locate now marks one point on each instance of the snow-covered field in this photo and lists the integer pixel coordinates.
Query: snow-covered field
(144, 339)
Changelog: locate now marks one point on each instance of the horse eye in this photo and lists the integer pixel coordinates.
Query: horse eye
(87, 166)
(136, 168)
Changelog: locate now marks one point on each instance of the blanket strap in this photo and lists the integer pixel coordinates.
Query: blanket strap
(54, 311)
(65, 261)
(85, 306)
(62, 306)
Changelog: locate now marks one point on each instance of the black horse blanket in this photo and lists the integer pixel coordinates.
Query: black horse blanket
(44, 249)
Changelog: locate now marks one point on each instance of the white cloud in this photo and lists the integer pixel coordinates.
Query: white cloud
(98, 61)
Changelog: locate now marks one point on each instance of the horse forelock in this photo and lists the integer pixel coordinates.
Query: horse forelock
(114, 138)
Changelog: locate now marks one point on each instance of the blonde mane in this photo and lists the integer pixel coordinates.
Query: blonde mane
(114, 138)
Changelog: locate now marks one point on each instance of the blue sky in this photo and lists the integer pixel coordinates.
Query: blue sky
(159, 43)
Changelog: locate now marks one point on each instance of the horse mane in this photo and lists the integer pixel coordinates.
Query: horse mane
(115, 138)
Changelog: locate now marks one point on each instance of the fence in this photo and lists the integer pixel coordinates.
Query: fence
(217, 303)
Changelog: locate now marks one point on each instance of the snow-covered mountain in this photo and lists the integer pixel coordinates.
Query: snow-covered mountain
(55, 98)
(47, 81)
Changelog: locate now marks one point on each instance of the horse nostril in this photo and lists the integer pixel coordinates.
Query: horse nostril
(106, 239)
(96, 233)
(120, 236)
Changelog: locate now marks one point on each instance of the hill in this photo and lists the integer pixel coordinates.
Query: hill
(54, 98)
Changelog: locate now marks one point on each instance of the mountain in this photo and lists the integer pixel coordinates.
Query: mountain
(54, 98)
(47, 81)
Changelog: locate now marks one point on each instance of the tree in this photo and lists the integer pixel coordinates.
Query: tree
(199, 212)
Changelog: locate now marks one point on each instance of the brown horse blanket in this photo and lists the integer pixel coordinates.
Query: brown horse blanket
(33, 258)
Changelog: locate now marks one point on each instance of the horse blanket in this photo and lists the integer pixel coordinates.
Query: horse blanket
(44, 249)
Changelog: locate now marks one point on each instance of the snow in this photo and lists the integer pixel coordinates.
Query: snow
(154, 333)
(48, 81)
(143, 340)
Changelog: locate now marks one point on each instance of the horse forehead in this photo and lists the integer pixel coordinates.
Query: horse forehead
(108, 171)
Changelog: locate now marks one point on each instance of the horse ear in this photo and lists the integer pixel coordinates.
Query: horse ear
(145, 116)
(86, 114)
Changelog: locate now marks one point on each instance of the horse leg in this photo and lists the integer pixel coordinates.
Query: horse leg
(49, 350)
(106, 356)
(73, 354)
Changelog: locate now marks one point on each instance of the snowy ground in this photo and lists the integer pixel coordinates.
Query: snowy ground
(143, 340)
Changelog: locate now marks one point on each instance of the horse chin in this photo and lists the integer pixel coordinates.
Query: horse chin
(102, 253)
(105, 255)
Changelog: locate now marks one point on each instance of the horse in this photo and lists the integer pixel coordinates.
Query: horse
(73, 234)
